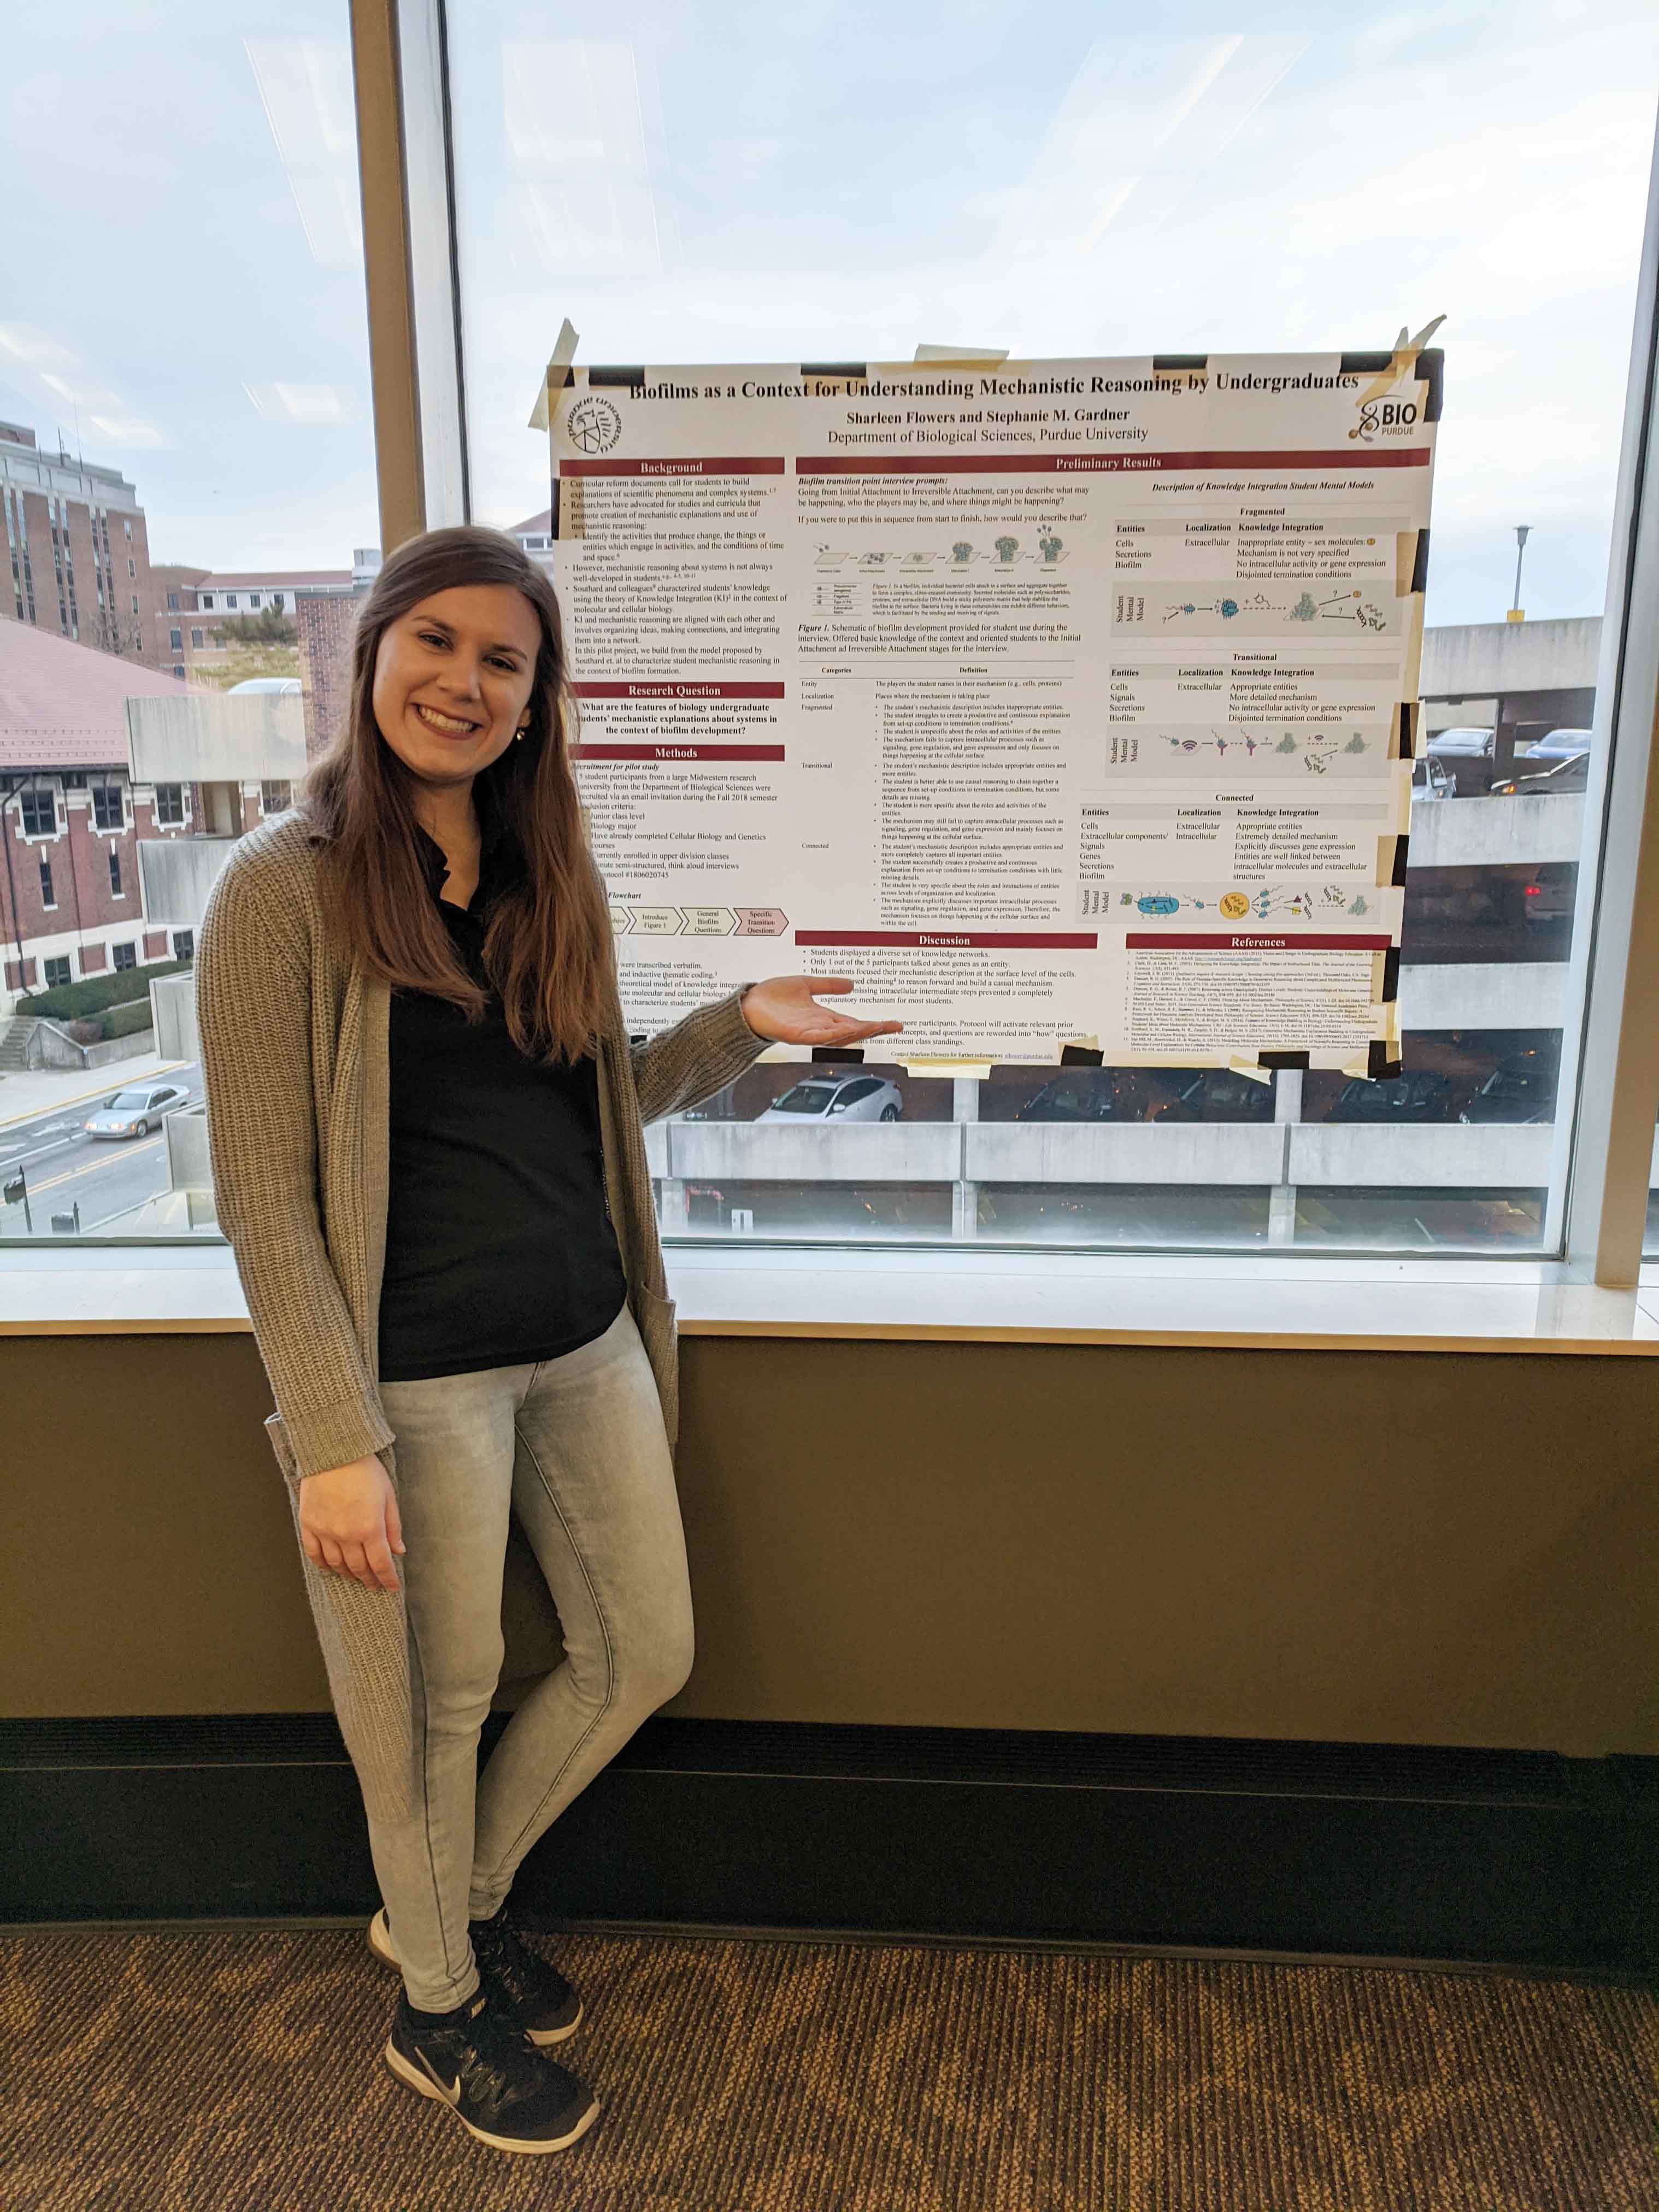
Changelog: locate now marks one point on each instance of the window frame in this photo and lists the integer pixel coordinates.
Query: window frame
(1602, 1151)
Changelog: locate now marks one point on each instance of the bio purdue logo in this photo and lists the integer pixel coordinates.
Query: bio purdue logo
(1385, 418)
(592, 426)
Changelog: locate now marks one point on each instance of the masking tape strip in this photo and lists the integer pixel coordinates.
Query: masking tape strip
(1410, 679)
(964, 356)
(1405, 730)
(835, 372)
(1381, 1059)
(1420, 561)
(1387, 366)
(1080, 1055)
(1237, 1065)
(558, 373)
(1390, 991)
(1178, 364)
(1390, 369)
(1405, 554)
(1391, 860)
(633, 377)
(1290, 1059)
(1431, 371)
(838, 1051)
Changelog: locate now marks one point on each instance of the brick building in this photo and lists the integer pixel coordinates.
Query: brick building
(77, 549)
(191, 604)
(326, 620)
(71, 818)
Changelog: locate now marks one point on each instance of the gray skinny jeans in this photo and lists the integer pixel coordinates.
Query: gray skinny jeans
(575, 1446)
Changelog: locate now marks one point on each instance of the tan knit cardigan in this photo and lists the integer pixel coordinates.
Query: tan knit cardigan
(293, 1055)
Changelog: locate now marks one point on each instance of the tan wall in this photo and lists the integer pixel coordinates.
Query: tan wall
(1366, 1547)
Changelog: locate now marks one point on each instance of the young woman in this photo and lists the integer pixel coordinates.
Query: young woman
(425, 1118)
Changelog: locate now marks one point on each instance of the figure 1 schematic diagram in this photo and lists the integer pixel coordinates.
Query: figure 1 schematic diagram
(1296, 903)
(1212, 610)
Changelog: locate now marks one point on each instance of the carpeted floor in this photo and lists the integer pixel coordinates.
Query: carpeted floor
(240, 2072)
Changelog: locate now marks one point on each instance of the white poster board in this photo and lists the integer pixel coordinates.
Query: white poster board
(1058, 704)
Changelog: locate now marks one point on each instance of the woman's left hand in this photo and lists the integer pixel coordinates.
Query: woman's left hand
(784, 1009)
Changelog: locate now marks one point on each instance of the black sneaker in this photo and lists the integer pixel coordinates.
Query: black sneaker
(499, 2086)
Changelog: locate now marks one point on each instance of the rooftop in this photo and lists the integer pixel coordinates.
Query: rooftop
(276, 580)
(64, 705)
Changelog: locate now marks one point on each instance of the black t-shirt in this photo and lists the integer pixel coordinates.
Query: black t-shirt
(499, 1249)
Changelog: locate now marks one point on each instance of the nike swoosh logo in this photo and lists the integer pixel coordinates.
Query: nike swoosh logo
(451, 2096)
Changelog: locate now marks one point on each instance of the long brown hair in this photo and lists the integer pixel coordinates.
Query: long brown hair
(547, 947)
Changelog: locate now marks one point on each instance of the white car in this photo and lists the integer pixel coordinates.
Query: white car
(837, 1098)
(283, 687)
(136, 1110)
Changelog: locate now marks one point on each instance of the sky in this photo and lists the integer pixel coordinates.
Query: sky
(703, 181)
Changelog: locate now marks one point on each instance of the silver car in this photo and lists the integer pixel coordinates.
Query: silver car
(136, 1110)
(1559, 745)
(1465, 743)
(837, 1098)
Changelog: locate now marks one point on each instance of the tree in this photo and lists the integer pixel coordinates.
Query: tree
(271, 626)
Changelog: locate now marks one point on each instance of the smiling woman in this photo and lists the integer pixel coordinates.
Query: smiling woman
(459, 665)
(457, 712)
(444, 1231)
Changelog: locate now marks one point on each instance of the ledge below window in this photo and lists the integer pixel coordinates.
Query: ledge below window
(952, 1295)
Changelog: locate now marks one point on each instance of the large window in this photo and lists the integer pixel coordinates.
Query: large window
(722, 183)
(712, 184)
(216, 428)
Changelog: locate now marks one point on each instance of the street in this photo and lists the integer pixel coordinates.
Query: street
(62, 1167)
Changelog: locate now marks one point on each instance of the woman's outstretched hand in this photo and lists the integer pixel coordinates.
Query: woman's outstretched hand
(784, 1008)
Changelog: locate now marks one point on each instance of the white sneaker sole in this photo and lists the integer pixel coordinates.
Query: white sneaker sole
(531, 2147)
(379, 1942)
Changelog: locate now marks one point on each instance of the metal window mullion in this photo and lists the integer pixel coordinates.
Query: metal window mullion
(435, 287)
(1611, 1066)
(399, 62)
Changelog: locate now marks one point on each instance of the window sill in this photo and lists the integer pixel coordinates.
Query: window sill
(1253, 1301)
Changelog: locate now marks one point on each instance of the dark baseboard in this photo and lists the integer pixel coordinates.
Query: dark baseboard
(1520, 1858)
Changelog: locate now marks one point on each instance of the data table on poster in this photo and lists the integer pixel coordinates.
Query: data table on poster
(1054, 703)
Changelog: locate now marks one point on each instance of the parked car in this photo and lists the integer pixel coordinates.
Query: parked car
(285, 687)
(1216, 1094)
(1431, 779)
(138, 1109)
(1466, 754)
(1090, 1094)
(1425, 1096)
(1549, 894)
(1560, 745)
(839, 1098)
(1570, 773)
(1463, 744)
(1519, 1089)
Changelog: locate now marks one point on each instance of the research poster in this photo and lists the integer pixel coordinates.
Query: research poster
(1067, 707)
